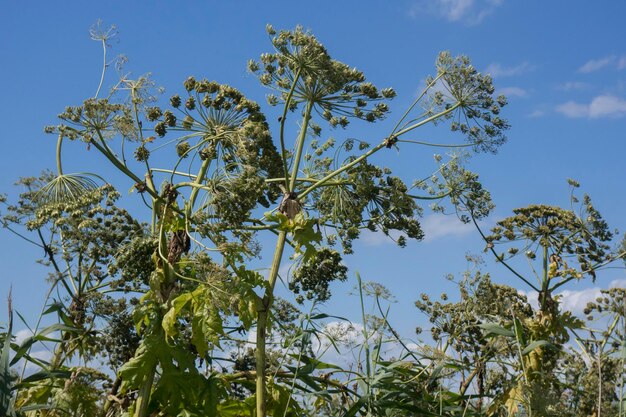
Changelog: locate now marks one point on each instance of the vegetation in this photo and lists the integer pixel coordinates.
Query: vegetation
(167, 313)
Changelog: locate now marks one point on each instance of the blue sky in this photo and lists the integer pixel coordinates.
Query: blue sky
(562, 65)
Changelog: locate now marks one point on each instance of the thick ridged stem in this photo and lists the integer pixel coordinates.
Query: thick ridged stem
(265, 303)
(143, 397)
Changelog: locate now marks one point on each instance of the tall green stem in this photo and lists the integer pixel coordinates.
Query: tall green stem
(366, 348)
(265, 303)
(545, 281)
(143, 396)
(197, 183)
(59, 165)
(261, 327)
(300, 146)
(282, 125)
(104, 65)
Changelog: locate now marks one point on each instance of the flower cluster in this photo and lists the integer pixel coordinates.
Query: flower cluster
(561, 231)
(477, 112)
(481, 300)
(96, 118)
(315, 274)
(612, 301)
(302, 64)
(369, 197)
(220, 124)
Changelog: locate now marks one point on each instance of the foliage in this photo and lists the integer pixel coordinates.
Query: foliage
(160, 314)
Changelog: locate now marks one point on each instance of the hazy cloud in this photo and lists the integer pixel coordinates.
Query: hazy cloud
(470, 12)
(596, 64)
(498, 70)
(573, 86)
(572, 109)
(513, 92)
(537, 113)
(600, 107)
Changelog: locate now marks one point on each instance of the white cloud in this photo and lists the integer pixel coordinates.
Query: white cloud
(607, 106)
(497, 70)
(348, 338)
(470, 12)
(345, 336)
(438, 226)
(21, 335)
(370, 238)
(43, 355)
(572, 109)
(599, 107)
(576, 301)
(342, 333)
(573, 86)
(621, 63)
(596, 64)
(435, 226)
(513, 92)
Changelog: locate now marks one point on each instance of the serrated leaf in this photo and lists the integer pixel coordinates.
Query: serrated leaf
(135, 371)
(198, 336)
(171, 317)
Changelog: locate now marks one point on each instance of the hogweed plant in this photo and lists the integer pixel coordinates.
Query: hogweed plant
(229, 182)
(560, 246)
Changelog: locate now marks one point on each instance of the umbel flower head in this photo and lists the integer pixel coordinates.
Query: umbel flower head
(96, 118)
(226, 125)
(562, 232)
(301, 66)
(227, 131)
(66, 187)
(476, 112)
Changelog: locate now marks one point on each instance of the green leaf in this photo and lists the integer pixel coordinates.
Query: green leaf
(537, 344)
(24, 348)
(198, 337)
(6, 379)
(312, 364)
(235, 408)
(494, 329)
(54, 308)
(356, 407)
(324, 316)
(40, 376)
(519, 331)
(171, 317)
(135, 371)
